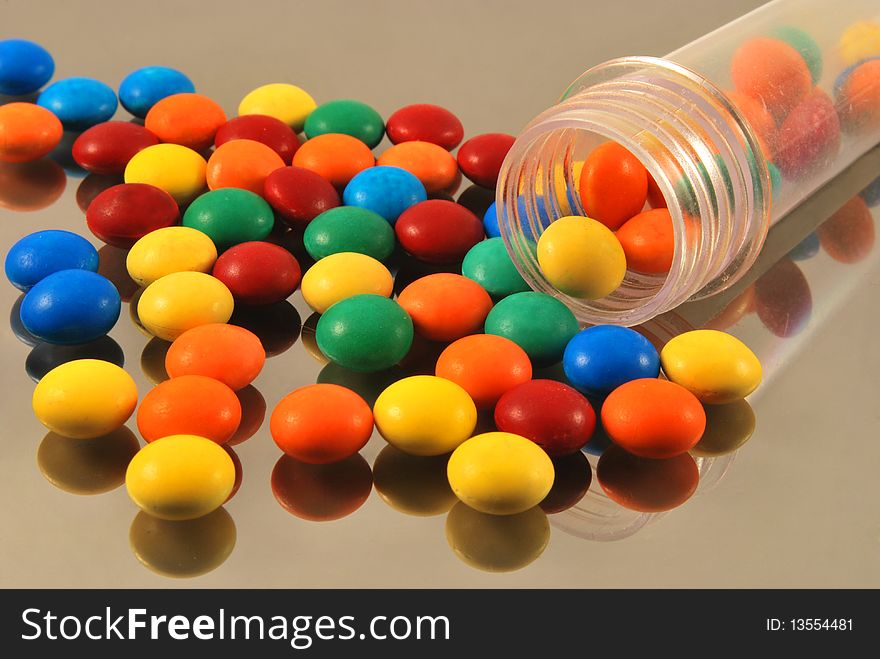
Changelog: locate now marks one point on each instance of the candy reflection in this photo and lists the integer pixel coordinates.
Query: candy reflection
(409, 269)
(63, 155)
(848, 235)
(728, 427)
(366, 385)
(413, 485)
(46, 356)
(647, 485)
(477, 199)
(239, 472)
(30, 186)
(276, 325)
(111, 264)
(153, 360)
(309, 341)
(135, 317)
(93, 185)
(783, 299)
(497, 543)
(321, 493)
(422, 357)
(183, 549)
(573, 475)
(87, 466)
(253, 412)
(805, 249)
(17, 326)
(742, 305)
(871, 193)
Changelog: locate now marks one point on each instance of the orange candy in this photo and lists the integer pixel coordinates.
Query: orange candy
(227, 353)
(242, 164)
(321, 423)
(445, 306)
(191, 120)
(433, 165)
(613, 185)
(486, 366)
(862, 94)
(335, 157)
(190, 405)
(27, 132)
(653, 418)
(772, 72)
(648, 240)
(655, 195)
(759, 118)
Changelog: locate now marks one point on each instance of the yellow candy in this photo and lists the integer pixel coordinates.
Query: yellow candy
(340, 276)
(183, 300)
(85, 398)
(581, 257)
(715, 366)
(285, 102)
(860, 41)
(425, 415)
(176, 169)
(497, 544)
(500, 473)
(168, 250)
(180, 477)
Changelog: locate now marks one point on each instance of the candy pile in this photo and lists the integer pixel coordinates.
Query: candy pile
(208, 209)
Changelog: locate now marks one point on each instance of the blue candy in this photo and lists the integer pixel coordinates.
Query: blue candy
(871, 194)
(387, 191)
(40, 254)
(493, 230)
(79, 103)
(490, 222)
(142, 89)
(599, 359)
(71, 306)
(25, 66)
(45, 356)
(805, 249)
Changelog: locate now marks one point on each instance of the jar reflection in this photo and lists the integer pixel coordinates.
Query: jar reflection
(184, 549)
(87, 466)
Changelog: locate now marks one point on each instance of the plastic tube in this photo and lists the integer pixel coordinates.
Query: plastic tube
(736, 128)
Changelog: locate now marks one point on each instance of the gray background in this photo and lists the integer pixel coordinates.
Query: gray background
(797, 507)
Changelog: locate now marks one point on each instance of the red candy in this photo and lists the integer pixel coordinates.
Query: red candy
(270, 131)
(424, 122)
(438, 231)
(809, 137)
(299, 195)
(480, 157)
(258, 273)
(553, 415)
(107, 148)
(123, 214)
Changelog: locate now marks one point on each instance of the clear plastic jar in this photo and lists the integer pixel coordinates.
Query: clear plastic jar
(715, 170)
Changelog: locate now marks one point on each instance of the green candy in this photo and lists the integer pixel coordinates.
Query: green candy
(349, 118)
(349, 229)
(538, 323)
(489, 264)
(805, 45)
(365, 333)
(775, 177)
(230, 216)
